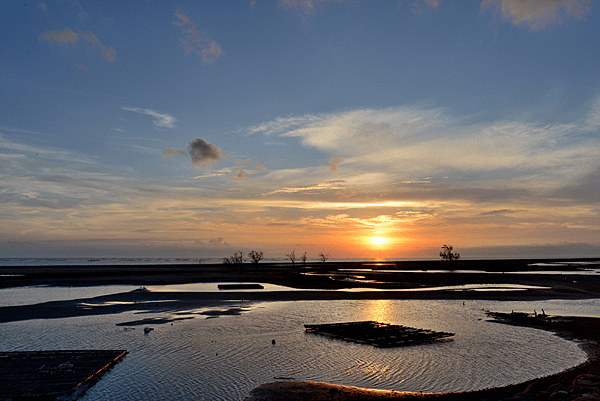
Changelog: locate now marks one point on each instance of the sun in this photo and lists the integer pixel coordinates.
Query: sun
(378, 240)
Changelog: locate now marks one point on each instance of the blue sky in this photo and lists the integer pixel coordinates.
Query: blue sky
(197, 128)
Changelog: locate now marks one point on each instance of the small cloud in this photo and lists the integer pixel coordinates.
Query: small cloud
(501, 212)
(417, 181)
(107, 53)
(160, 120)
(419, 6)
(67, 37)
(42, 6)
(341, 195)
(252, 5)
(197, 40)
(80, 67)
(260, 166)
(168, 153)
(82, 16)
(335, 161)
(240, 161)
(328, 185)
(204, 153)
(304, 6)
(63, 37)
(217, 242)
(539, 14)
(239, 172)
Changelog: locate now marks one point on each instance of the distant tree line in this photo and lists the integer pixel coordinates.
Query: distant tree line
(237, 259)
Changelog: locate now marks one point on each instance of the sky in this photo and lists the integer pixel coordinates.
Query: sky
(354, 128)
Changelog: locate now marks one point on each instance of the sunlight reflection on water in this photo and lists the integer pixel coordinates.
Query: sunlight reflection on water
(224, 358)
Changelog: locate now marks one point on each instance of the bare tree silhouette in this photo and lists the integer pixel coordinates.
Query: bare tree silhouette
(292, 257)
(323, 257)
(236, 259)
(447, 254)
(256, 257)
(303, 258)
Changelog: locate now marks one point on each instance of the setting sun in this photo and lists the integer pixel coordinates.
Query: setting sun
(378, 240)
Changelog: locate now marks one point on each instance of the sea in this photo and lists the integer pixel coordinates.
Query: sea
(141, 261)
(222, 350)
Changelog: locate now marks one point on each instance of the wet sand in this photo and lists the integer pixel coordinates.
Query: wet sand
(324, 283)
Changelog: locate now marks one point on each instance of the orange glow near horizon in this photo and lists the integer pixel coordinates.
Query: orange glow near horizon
(378, 240)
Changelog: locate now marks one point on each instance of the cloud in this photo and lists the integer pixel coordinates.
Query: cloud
(80, 67)
(305, 6)
(335, 161)
(168, 153)
(66, 37)
(240, 161)
(394, 146)
(107, 53)
(419, 6)
(586, 189)
(345, 195)
(160, 120)
(197, 40)
(217, 242)
(260, 166)
(60, 38)
(239, 172)
(538, 14)
(328, 185)
(204, 153)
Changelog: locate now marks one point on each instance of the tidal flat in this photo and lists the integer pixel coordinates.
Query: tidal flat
(212, 344)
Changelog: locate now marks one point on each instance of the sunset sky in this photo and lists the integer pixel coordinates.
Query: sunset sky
(358, 128)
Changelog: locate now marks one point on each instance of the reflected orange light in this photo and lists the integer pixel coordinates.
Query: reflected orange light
(380, 311)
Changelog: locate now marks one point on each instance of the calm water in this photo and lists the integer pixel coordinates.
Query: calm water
(223, 358)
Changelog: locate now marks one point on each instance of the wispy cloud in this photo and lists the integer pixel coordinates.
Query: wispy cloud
(337, 184)
(168, 153)
(160, 119)
(399, 144)
(67, 37)
(45, 152)
(538, 14)
(420, 6)
(196, 40)
(62, 37)
(239, 172)
(335, 162)
(305, 6)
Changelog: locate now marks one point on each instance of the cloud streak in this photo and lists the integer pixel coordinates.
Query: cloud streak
(305, 6)
(335, 162)
(196, 40)
(160, 120)
(400, 144)
(67, 37)
(538, 14)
